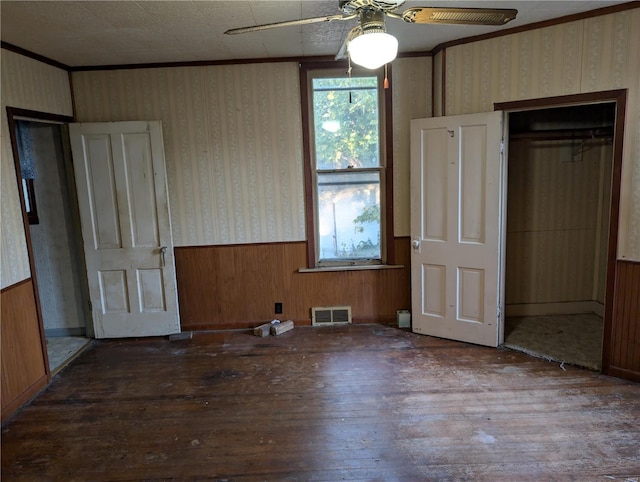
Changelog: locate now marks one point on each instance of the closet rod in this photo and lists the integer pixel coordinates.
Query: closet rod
(563, 134)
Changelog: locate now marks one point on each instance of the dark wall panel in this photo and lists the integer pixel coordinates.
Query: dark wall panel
(23, 359)
(236, 286)
(625, 327)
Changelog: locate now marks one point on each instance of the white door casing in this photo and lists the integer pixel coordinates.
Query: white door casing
(124, 212)
(456, 227)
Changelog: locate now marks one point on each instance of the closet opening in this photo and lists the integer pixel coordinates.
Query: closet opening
(561, 197)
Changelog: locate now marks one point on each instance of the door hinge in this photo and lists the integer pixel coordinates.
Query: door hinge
(499, 310)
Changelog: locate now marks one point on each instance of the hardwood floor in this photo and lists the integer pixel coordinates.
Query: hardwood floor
(362, 402)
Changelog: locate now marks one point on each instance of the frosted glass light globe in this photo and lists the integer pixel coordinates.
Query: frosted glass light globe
(373, 50)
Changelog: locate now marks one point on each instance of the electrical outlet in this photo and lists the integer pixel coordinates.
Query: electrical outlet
(278, 308)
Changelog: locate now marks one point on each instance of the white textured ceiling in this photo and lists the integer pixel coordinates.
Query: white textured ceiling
(86, 33)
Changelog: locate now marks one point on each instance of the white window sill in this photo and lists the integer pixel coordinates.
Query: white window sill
(362, 267)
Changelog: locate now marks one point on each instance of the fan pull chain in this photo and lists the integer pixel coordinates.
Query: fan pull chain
(349, 72)
(386, 79)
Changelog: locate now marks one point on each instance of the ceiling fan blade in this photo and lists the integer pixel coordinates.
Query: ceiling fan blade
(463, 16)
(288, 23)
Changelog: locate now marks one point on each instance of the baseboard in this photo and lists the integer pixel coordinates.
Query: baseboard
(57, 332)
(622, 373)
(566, 308)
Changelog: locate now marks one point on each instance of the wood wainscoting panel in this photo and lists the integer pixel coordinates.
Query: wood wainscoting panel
(625, 330)
(236, 286)
(24, 370)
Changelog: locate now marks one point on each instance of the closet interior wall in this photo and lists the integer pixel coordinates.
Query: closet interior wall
(557, 222)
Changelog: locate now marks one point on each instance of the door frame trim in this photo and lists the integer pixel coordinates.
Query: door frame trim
(619, 97)
(13, 113)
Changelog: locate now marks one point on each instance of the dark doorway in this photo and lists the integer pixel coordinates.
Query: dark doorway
(45, 176)
(560, 170)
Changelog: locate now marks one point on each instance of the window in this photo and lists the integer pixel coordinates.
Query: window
(26, 156)
(29, 193)
(346, 167)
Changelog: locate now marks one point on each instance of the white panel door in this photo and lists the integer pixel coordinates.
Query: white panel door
(124, 213)
(456, 222)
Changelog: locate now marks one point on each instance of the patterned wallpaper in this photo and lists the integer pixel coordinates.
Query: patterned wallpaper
(233, 142)
(599, 53)
(411, 86)
(437, 91)
(27, 84)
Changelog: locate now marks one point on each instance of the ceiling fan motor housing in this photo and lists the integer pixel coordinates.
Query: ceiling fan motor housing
(349, 7)
(372, 21)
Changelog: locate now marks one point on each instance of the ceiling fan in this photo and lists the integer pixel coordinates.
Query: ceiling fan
(368, 44)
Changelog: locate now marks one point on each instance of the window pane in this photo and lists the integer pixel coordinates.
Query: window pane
(346, 122)
(349, 216)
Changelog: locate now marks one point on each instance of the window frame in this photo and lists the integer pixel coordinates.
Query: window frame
(309, 71)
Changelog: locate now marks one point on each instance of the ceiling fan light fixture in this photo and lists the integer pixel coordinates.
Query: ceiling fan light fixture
(373, 49)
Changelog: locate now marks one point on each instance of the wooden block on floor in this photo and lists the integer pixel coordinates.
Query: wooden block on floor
(281, 327)
(262, 330)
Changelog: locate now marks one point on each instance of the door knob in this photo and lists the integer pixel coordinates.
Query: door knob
(415, 244)
(163, 252)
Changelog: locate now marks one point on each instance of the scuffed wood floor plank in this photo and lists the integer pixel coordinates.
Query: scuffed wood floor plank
(362, 402)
